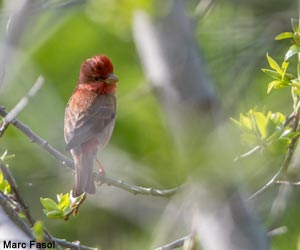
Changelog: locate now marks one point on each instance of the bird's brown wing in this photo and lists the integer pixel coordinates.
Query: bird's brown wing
(82, 126)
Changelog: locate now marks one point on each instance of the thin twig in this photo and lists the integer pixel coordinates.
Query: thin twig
(174, 244)
(21, 104)
(15, 189)
(72, 245)
(250, 152)
(282, 182)
(65, 161)
(269, 183)
(33, 137)
(25, 100)
(111, 181)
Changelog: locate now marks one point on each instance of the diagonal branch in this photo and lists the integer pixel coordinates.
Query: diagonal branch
(174, 244)
(4, 202)
(21, 104)
(65, 161)
(33, 137)
(25, 209)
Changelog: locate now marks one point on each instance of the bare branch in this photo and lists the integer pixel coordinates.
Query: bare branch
(25, 100)
(33, 137)
(175, 244)
(281, 182)
(250, 152)
(65, 161)
(21, 104)
(72, 245)
(269, 184)
(15, 189)
(110, 181)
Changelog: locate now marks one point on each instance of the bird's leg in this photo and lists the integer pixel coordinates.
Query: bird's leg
(101, 169)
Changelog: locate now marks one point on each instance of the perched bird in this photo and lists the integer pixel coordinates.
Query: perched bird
(90, 118)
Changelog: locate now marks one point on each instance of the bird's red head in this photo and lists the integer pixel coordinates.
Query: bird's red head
(97, 74)
(95, 69)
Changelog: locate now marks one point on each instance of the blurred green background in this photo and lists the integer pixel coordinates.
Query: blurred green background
(234, 37)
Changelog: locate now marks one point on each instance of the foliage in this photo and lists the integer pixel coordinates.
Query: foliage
(269, 131)
(38, 231)
(4, 185)
(64, 206)
(265, 131)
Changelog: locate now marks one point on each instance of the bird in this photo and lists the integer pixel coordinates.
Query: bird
(89, 120)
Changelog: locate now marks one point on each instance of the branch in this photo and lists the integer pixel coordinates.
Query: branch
(15, 217)
(111, 181)
(5, 202)
(65, 161)
(21, 104)
(269, 183)
(25, 209)
(281, 182)
(175, 244)
(15, 189)
(72, 245)
(62, 159)
(287, 160)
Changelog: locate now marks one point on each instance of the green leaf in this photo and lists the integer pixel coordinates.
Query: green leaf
(298, 242)
(272, 73)
(295, 24)
(278, 118)
(22, 215)
(64, 202)
(284, 35)
(49, 204)
(261, 123)
(1, 177)
(289, 134)
(279, 146)
(54, 214)
(38, 231)
(4, 185)
(245, 122)
(284, 67)
(294, 49)
(273, 64)
(272, 85)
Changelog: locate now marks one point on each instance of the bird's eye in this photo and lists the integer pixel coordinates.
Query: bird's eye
(96, 78)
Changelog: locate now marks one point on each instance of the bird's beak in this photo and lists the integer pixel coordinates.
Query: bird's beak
(111, 79)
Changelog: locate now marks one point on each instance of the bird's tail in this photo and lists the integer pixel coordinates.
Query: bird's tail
(84, 179)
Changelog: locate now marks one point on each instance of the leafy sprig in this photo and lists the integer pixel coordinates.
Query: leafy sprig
(65, 206)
